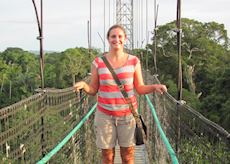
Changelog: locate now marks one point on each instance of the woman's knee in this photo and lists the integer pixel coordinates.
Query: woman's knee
(127, 154)
(108, 155)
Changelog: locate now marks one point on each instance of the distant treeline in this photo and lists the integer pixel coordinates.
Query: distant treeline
(205, 62)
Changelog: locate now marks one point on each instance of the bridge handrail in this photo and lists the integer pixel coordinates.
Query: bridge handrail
(162, 134)
(67, 138)
(220, 129)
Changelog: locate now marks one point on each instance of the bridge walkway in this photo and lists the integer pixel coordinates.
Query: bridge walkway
(140, 155)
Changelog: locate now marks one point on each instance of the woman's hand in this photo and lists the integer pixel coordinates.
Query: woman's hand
(160, 88)
(79, 85)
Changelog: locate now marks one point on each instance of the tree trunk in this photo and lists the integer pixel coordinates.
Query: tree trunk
(10, 94)
(2, 83)
(189, 70)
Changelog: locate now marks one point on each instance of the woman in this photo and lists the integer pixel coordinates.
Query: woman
(114, 121)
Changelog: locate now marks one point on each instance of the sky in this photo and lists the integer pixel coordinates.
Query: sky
(65, 21)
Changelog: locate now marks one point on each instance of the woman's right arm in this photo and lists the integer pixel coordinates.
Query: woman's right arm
(93, 86)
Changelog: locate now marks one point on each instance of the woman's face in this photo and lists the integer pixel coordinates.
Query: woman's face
(116, 38)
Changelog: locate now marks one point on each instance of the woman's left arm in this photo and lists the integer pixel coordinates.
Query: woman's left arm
(141, 88)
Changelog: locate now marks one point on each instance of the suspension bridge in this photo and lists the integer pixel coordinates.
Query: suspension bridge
(56, 125)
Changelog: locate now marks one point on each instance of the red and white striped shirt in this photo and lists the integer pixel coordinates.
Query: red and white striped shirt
(110, 99)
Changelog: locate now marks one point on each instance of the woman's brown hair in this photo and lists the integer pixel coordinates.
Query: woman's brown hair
(116, 26)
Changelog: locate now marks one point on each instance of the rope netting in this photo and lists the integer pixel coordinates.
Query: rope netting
(31, 128)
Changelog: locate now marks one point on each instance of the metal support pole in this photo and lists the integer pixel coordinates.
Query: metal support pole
(155, 36)
(40, 38)
(179, 84)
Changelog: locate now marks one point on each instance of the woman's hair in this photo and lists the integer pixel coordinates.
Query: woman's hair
(115, 26)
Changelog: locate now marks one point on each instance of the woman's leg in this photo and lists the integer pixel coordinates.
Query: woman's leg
(105, 131)
(127, 155)
(125, 131)
(108, 156)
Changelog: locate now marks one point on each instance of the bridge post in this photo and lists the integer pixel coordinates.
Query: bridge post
(40, 38)
(179, 84)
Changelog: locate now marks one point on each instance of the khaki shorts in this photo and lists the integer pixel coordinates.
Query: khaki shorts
(112, 129)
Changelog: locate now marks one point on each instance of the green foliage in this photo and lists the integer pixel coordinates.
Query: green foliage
(205, 64)
(22, 114)
(54, 71)
(200, 150)
(5, 160)
(20, 71)
(59, 128)
(18, 75)
(190, 98)
(63, 69)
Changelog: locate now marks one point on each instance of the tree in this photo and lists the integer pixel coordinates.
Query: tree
(77, 62)
(63, 69)
(205, 54)
(18, 73)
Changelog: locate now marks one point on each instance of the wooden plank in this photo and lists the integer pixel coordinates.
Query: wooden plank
(140, 155)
